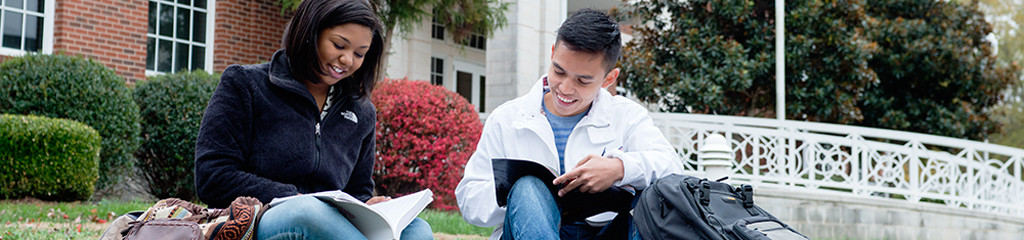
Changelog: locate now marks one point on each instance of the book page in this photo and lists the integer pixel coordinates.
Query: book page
(370, 223)
(333, 194)
(384, 221)
(401, 211)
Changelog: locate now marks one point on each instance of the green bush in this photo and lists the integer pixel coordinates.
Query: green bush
(83, 90)
(47, 158)
(171, 108)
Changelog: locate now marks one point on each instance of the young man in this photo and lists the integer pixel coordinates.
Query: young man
(570, 123)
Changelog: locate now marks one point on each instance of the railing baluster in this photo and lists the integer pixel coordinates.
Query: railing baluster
(961, 179)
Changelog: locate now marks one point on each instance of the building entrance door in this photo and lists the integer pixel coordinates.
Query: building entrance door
(469, 82)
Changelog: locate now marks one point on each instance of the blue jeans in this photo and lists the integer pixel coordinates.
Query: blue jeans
(532, 213)
(306, 217)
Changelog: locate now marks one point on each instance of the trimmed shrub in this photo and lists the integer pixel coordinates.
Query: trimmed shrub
(171, 109)
(425, 135)
(71, 87)
(47, 158)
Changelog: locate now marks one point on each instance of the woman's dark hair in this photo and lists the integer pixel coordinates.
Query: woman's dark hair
(593, 32)
(303, 31)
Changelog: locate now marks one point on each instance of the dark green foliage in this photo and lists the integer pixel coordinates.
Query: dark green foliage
(171, 108)
(695, 61)
(71, 87)
(914, 65)
(936, 71)
(47, 158)
(460, 18)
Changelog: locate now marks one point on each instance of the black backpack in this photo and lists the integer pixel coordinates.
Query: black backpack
(685, 207)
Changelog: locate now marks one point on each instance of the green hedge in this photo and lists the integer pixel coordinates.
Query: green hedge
(71, 87)
(171, 108)
(47, 158)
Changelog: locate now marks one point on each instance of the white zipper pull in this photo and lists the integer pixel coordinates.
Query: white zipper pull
(318, 129)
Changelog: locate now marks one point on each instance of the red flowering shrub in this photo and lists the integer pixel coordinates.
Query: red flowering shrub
(425, 135)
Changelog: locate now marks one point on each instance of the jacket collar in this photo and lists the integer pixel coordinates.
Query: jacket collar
(281, 76)
(598, 116)
(597, 120)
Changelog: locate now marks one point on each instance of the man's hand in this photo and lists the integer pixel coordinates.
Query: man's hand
(593, 174)
(377, 199)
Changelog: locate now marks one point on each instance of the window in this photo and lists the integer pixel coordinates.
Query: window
(177, 38)
(436, 71)
(475, 41)
(26, 26)
(437, 30)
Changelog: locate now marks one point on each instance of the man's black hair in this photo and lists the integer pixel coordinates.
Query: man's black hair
(300, 41)
(594, 32)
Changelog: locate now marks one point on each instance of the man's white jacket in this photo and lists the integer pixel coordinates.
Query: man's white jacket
(616, 126)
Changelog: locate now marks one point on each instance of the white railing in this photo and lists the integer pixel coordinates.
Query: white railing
(857, 160)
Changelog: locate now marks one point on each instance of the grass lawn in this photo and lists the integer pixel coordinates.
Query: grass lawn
(34, 219)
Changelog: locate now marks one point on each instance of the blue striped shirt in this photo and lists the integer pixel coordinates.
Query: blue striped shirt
(562, 127)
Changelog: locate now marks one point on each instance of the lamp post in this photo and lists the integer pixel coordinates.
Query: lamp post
(780, 60)
(716, 157)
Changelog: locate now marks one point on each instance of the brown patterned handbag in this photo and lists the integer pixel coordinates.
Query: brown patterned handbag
(174, 218)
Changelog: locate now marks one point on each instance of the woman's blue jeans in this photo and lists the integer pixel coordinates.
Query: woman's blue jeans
(532, 213)
(306, 217)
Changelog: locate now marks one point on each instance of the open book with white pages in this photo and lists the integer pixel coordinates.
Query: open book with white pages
(380, 221)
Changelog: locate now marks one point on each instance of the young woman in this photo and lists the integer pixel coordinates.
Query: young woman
(301, 123)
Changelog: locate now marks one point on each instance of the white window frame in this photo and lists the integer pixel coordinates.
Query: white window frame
(211, 12)
(48, 20)
(434, 25)
(442, 74)
(469, 40)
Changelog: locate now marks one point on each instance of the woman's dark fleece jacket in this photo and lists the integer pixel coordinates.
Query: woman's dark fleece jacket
(258, 138)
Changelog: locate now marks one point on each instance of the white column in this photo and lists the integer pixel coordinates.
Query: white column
(519, 53)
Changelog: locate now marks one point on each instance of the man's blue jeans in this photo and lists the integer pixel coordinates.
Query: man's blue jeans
(532, 213)
(306, 217)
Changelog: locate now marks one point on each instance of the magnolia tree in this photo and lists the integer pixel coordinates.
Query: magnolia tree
(922, 66)
(425, 135)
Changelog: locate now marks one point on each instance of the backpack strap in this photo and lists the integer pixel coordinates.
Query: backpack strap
(705, 192)
(747, 192)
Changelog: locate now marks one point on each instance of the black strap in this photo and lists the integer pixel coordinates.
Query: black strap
(705, 192)
(748, 199)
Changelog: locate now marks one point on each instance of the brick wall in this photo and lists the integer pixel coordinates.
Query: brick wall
(247, 32)
(112, 32)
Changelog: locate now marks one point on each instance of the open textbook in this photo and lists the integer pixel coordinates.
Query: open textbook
(575, 205)
(380, 221)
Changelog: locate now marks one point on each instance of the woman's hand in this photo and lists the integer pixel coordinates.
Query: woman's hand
(377, 199)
